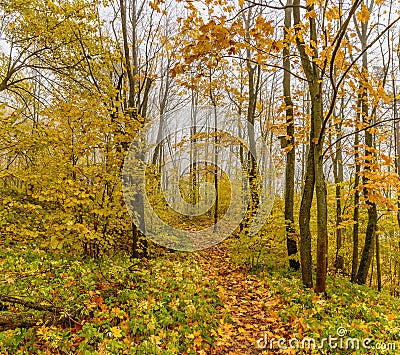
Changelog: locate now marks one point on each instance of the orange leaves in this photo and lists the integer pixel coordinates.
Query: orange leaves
(207, 41)
(379, 184)
(155, 5)
(308, 49)
(333, 13)
(391, 317)
(213, 31)
(310, 3)
(363, 15)
(382, 95)
(261, 38)
(224, 334)
(96, 302)
(221, 294)
(247, 299)
(263, 26)
(197, 339)
(311, 14)
(387, 160)
(381, 200)
(377, 177)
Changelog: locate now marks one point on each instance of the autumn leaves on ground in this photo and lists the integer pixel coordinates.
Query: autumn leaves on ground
(207, 302)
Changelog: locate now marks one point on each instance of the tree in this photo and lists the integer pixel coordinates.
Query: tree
(291, 152)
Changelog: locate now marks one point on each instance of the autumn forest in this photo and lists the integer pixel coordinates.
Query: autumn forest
(199, 177)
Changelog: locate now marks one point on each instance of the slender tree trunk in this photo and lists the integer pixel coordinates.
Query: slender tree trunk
(127, 54)
(378, 263)
(322, 208)
(215, 167)
(396, 144)
(338, 174)
(354, 264)
(193, 150)
(367, 253)
(166, 82)
(136, 107)
(304, 218)
(291, 152)
(253, 175)
(313, 75)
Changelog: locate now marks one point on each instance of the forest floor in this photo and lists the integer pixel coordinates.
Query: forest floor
(205, 303)
(247, 299)
(264, 307)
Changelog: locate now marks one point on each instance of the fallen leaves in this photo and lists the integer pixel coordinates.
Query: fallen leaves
(248, 311)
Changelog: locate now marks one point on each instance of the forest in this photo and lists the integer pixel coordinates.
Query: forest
(199, 177)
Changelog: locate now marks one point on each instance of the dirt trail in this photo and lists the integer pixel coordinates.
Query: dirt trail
(247, 299)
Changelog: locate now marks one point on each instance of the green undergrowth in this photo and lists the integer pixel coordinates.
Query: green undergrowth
(346, 312)
(162, 306)
(354, 311)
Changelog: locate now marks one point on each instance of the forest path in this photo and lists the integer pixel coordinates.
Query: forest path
(248, 301)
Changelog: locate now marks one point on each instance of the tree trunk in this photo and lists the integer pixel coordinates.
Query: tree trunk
(215, 168)
(291, 152)
(396, 129)
(304, 218)
(322, 208)
(378, 263)
(367, 253)
(51, 314)
(136, 107)
(354, 264)
(338, 175)
(314, 80)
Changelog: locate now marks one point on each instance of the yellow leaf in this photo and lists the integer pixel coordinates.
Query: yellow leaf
(118, 312)
(198, 341)
(333, 13)
(221, 293)
(116, 332)
(311, 14)
(155, 339)
(363, 15)
(387, 160)
(390, 317)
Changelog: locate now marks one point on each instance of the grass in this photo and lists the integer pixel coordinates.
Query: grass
(164, 306)
(359, 311)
